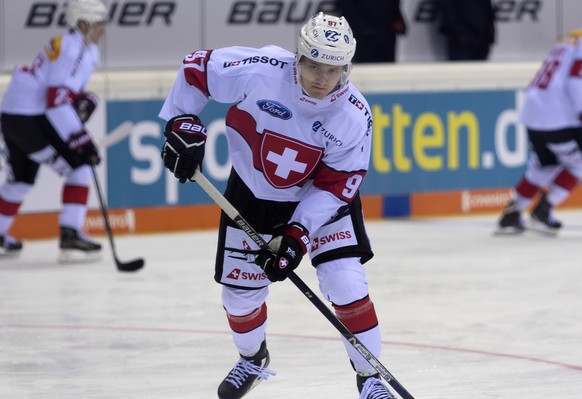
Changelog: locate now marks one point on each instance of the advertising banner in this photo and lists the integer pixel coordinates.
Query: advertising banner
(422, 142)
(433, 153)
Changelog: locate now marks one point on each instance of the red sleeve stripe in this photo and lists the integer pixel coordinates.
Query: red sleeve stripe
(340, 183)
(246, 323)
(195, 70)
(358, 316)
(197, 79)
(57, 96)
(576, 69)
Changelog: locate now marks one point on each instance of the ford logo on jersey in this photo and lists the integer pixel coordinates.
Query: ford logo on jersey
(275, 109)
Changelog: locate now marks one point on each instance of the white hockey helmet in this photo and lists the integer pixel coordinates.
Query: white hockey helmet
(327, 39)
(87, 10)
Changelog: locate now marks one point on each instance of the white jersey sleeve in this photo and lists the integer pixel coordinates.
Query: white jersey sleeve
(69, 70)
(212, 74)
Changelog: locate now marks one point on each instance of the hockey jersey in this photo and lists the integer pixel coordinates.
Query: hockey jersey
(285, 145)
(51, 83)
(553, 99)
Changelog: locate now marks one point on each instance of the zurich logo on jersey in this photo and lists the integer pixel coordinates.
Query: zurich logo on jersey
(275, 109)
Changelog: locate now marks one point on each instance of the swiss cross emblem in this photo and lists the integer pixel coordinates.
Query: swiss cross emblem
(287, 162)
(234, 274)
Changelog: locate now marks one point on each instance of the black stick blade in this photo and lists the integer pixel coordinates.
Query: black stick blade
(131, 266)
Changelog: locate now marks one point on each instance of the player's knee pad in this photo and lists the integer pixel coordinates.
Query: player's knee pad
(15, 192)
(342, 281)
(80, 176)
(540, 175)
(239, 302)
(568, 153)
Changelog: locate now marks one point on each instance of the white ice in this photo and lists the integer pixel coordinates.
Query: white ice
(464, 315)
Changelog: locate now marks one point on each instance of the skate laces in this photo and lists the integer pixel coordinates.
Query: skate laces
(243, 368)
(84, 236)
(374, 388)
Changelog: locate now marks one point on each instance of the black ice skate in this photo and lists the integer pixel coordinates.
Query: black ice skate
(247, 373)
(511, 221)
(372, 387)
(77, 247)
(542, 219)
(9, 246)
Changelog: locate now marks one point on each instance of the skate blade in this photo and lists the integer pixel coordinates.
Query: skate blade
(542, 229)
(76, 256)
(508, 231)
(4, 254)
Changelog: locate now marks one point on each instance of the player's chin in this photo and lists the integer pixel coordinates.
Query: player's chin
(317, 93)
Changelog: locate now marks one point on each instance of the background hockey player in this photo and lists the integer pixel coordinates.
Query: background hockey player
(552, 113)
(44, 110)
(299, 138)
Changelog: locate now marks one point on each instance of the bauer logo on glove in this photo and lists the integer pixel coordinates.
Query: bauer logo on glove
(193, 127)
(183, 150)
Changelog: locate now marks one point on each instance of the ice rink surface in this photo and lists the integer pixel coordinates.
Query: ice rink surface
(464, 315)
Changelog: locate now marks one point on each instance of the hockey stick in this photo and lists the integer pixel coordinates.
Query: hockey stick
(130, 266)
(116, 135)
(232, 213)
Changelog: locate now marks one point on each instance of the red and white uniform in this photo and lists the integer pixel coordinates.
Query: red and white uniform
(38, 119)
(284, 145)
(552, 114)
(51, 83)
(554, 98)
(295, 159)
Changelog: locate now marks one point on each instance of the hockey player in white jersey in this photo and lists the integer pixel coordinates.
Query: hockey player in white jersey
(43, 113)
(299, 136)
(552, 114)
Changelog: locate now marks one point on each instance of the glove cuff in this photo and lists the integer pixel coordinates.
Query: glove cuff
(299, 234)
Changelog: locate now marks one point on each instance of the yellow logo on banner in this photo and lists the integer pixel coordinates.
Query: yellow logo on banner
(426, 141)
